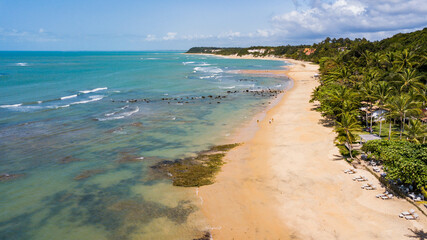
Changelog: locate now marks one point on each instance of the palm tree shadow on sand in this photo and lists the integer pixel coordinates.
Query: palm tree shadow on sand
(417, 234)
(326, 122)
(337, 157)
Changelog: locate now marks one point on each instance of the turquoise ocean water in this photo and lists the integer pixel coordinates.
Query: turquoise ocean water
(80, 130)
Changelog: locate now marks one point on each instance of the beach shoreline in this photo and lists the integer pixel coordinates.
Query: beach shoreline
(286, 181)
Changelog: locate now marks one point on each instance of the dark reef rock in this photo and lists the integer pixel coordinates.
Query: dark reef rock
(88, 173)
(69, 159)
(9, 176)
(136, 124)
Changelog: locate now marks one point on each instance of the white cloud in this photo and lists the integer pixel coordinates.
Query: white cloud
(313, 20)
(229, 35)
(263, 33)
(150, 37)
(170, 36)
(196, 37)
(25, 36)
(350, 17)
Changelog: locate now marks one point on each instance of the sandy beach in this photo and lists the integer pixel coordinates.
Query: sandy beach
(287, 181)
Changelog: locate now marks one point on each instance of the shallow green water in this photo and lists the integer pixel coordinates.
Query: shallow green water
(81, 151)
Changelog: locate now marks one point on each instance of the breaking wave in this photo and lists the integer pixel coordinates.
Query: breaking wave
(208, 69)
(125, 111)
(94, 90)
(68, 97)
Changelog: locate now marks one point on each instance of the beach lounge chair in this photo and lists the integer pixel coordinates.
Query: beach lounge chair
(389, 196)
(365, 186)
(415, 216)
(376, 169)
(362, 179)
(405, 213)
(369, 186)
(411, 211)
(410, 217)
(380, 195)
(350, 171)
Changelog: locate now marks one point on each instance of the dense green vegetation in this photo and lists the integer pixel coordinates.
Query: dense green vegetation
(386, 75)
(358, 77)
(404, 160)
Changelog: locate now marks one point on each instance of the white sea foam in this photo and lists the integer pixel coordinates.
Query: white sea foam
(11, 105)
(68, 97)
(205, 77)
(39, 102)
(185, 63)
(59, 106)
(231, 87)
(23, 64)
(21, 108)
(203, 64)
(247, 86)
(208, 69)
(119, 114)
(92, 99)
(94, 90)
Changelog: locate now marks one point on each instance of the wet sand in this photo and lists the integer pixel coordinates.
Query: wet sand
(287, 181)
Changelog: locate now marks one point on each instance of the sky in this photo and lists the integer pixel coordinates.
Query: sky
(116, 25)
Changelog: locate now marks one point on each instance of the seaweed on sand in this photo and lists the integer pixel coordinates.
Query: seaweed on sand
(224, 148)
(206, 236)
(196, 171)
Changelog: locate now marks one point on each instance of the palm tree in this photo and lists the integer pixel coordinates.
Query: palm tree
(342, 99)
(374, 60)
(403, 106)
(415, 130)
(389, 58)
(368, 93)
(382, 93)
(405, 59)
(346, 128)
(347, 106)
(341, 75)
(390, 115)
(408, 80)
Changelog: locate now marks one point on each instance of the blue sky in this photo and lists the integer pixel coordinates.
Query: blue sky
(167, 24)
